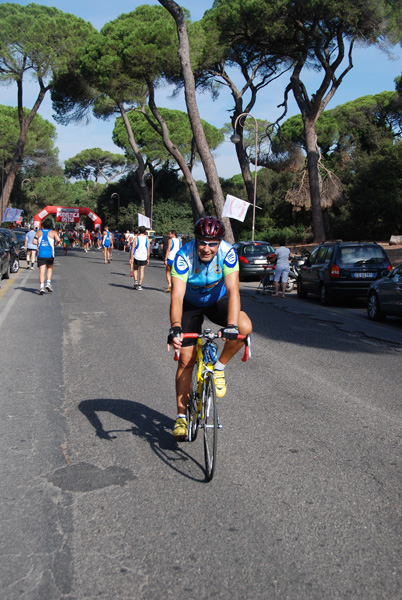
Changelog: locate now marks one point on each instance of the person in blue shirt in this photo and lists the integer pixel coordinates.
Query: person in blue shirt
(106, 244)
(46, 239)
(205, 282)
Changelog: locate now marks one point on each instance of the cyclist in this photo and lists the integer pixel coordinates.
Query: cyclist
(205, 282)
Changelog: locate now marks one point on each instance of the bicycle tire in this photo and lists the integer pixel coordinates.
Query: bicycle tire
(210, 422)
(192, 412)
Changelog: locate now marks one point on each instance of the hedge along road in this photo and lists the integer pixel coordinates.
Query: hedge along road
(97, 498)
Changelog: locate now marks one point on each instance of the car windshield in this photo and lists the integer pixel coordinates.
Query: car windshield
(361, 255)
(254, 249)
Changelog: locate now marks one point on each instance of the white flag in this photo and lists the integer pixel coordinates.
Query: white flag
(11, 214)
(235, 208)
(143, 220)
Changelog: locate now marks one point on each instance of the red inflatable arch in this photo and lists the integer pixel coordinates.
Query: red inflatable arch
(66, 215)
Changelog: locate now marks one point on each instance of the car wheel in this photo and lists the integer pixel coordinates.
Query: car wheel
(300, 290)
(374, 311)
(325, 297)
(15, 266)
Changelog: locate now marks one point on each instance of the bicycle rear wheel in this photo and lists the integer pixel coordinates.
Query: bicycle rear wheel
(192, 412)
(210, 415)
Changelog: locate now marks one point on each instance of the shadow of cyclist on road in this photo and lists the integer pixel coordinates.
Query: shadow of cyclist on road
(145, 423)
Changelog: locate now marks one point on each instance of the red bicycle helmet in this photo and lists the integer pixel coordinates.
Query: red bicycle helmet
(209, 228)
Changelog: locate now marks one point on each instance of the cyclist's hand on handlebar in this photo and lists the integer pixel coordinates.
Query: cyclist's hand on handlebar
(230, 332)
(175, 337)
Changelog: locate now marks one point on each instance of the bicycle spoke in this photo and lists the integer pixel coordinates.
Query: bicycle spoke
(210, 426)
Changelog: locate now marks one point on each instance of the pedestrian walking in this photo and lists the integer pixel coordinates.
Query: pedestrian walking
(46, 239)
(30, 247)
(282, 267)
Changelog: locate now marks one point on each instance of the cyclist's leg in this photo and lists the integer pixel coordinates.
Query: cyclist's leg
(183, 377)
(191, 323)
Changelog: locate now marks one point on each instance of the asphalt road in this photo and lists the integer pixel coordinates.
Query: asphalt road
(97, 499)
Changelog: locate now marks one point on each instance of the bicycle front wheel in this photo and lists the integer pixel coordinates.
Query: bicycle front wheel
(210, 414)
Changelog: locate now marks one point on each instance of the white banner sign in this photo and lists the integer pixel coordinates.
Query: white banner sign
(12, 214)
(235, 208)
(143, 220)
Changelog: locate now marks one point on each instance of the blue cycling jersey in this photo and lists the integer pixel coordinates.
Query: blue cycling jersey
(205, 281)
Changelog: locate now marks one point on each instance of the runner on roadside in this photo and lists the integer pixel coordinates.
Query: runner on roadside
(106, 242)
(140, 253)
(46, 239)
(172, 248)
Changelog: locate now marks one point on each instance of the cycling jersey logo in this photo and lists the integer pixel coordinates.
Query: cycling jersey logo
(217, 269)
(180, 265)
(231, 258)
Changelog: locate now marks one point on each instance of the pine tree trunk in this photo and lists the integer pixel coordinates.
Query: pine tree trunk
(314, 181)
(194, 116)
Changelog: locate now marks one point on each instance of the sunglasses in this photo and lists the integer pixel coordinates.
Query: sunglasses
(209, 244)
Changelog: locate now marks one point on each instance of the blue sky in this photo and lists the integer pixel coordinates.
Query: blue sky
(373, 72)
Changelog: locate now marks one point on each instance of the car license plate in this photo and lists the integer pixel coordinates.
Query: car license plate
(260, 261)
(363, 275)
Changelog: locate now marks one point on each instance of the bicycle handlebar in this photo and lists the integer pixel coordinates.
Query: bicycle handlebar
(211, 336)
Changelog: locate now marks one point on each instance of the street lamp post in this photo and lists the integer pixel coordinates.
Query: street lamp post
(118, 207)
(235, 138)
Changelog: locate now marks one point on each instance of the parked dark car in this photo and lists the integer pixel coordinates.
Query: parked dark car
(21, 234)
(4, 258)
(342, 269)
(385, 296)
(253, 259)
(14, 246)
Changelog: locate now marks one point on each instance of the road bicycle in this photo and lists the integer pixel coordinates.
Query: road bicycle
(202, 406)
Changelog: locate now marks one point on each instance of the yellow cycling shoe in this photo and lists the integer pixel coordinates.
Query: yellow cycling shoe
(220, 383)
(180, 430)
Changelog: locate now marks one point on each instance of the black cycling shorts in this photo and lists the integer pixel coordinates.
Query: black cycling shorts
(193, 317)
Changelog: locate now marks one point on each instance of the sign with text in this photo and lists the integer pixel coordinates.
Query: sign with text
(68, 215)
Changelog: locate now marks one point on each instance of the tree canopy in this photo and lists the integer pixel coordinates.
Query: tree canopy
(42, 43)
(95, 163)
(150, 142)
